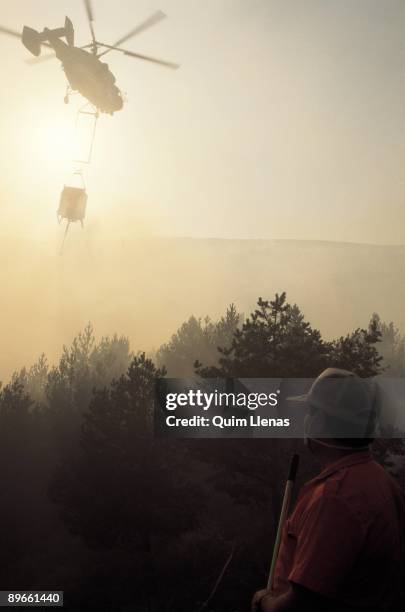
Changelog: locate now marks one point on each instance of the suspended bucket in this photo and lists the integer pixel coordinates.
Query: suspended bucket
(72, 205)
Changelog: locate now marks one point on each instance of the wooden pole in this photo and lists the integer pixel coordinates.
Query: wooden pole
(283, 516)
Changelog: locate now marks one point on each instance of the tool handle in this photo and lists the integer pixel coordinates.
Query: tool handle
(283, 516)
(293, 468)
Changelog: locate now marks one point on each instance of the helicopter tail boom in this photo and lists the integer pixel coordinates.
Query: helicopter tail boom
(33, 40)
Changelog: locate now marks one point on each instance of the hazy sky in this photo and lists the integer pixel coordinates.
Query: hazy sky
(286, 120)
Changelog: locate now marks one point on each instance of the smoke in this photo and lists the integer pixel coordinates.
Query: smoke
(122, 279)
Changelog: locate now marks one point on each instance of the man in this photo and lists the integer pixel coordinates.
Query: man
(342, 549)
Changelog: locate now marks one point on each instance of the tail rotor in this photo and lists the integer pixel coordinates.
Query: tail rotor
(33, 40)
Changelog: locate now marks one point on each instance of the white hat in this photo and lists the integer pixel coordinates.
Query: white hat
(340, 404)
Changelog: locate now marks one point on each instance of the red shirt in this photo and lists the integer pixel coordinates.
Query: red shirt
(344, 539)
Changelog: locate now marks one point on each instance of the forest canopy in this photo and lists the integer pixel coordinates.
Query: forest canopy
(96, 503)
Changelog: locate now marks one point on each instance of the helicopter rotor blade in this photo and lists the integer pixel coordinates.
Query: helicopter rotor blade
(90, 17)
(145, 25)
(10, 32)
(153, 60)
(146, 58)
(33, 61)
(16, 34)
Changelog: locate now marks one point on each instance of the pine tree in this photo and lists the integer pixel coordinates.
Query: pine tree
(277, 341)
(197, 339)
(128, 491)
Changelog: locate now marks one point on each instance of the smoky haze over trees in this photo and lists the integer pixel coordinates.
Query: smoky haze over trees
(195, 340)
(146, 288)
(94, 504)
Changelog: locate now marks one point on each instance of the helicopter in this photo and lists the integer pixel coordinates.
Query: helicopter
(84, 70)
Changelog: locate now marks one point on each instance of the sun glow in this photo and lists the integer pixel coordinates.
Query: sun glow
(46, 147)
(57, 141)
(54, 141)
